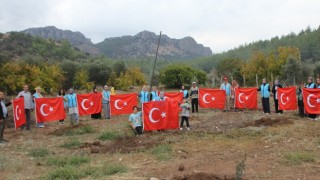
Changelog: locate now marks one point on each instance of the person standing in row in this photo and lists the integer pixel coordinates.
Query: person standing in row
(28, 104)
(72, 106)
(97, 115)
(3, 116)
(154, 94)
(194, 91)
(184, 113)
(274, 90)
(38, 94)
(300, 100)
(227, 87)
(144, 95)
(234, 85)
(185, 92)
(106, 102)
(311, 85)
(265, 94)
(62, 93)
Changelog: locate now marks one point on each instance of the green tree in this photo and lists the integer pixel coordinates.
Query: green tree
(80, 80)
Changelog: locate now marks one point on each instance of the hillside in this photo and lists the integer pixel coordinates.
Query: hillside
(144, 44)
(76, 39)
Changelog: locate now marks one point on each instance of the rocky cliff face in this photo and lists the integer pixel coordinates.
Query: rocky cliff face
(76, 39)
(144, 44)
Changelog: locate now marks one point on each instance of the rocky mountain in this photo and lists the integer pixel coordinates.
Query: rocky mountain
(144, 44)
(76, 39)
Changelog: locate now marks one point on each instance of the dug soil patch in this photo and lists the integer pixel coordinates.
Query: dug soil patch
(123, 145)
(65, 130)
(267, 121)
(203, 176)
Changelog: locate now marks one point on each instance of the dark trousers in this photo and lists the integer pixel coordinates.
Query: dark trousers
(28, 118)
(138, 130)
(301, 108)
(194, 104)
(184, 118)
(266, 105)
(2, 126)
(276, 106)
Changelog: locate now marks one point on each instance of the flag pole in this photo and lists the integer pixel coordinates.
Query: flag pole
(154, 65)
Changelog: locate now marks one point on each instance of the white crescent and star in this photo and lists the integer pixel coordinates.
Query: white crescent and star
(308, 100)
(281, 99)
(42, 112)
(116, 104)
(83, 106)
(239, 97)
(204, 98)
(16, 112)
(163, 115)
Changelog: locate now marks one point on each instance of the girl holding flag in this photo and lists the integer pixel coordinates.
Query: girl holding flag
(38, 95)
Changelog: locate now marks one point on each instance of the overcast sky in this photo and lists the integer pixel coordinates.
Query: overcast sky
(218, 24)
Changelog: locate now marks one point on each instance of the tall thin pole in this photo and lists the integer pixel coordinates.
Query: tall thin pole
(155, 62)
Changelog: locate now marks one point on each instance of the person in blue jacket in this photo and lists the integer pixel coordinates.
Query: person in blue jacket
(144, 95)
(185, 92)
(311, 85)
(72, 106)
(265, 95)
(106, 102)
(154, 94)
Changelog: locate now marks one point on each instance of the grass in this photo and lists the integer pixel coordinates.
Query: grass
(162, 152)
(299, 157)
(39, 152)
(74, 143)
(248, 133)
(109, 135)
(71, 172)
(80, 131)
(67, 161)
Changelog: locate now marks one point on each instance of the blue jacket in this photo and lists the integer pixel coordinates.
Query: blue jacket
(155, 96)
(72, 100)
(185, 93)
(311, 86)
(227, 88)
(265, 90)
(105, 97)
(144, 96)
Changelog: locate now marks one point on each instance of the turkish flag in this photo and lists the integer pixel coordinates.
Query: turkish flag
(122, 103)
(212, 98)
(49, 109)
(89, 103)
(173, 96)
(311, 100)
(160, 115)
(287, 98)
(19, 115)
(246, 98)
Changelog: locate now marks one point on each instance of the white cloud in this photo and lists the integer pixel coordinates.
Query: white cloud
(219, 24)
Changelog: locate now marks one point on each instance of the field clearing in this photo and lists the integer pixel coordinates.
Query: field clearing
(271, 147)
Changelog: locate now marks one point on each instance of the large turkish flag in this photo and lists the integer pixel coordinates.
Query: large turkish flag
(160, 115)
(49, 109)
(212, 98)
(311, 100)
(287, 98)
(246, 98)
(122, 103)
(173, 96)
(19, 114)
(89, 103)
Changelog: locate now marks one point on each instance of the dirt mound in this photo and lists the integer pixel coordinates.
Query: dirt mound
(122, 145)
(65, 130)
(267, 121)
(203, 176)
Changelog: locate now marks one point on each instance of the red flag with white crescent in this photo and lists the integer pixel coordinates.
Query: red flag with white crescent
(173, 96)
(311, 100)
(246, 98)
(212, 98)
(89, 103)
(160, 115)
(49, 109)
(287, 99)
(19, 115)
(122, 103)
